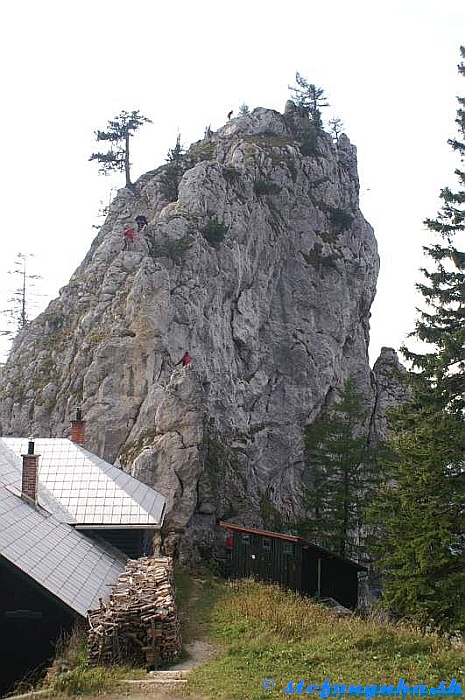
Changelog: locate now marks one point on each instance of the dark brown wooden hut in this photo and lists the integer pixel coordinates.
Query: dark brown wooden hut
(292, 562)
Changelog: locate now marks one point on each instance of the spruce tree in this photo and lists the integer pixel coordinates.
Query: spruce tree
(310, 97)
(336, 126)
(173, 171)
(442, 324)
(21, 303)
(341, 466)
(119, 130)
(420, 511)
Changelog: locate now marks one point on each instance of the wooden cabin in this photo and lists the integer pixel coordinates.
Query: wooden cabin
(68, 521)
(292, 562)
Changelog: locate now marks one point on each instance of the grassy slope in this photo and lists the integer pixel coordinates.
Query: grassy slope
(269, 633)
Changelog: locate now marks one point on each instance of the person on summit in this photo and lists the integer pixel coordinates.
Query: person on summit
(186, 359)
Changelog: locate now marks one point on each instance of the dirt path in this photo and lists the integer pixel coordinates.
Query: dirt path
(160, 685)
(199, 652)
(193, 608)
(155, 687)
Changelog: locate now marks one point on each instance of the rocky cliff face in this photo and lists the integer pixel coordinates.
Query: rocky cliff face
(264, 268)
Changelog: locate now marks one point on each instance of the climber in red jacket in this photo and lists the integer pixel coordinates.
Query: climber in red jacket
(186, 359)
(129, 237)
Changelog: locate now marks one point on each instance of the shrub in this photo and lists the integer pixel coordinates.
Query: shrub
(329, 262)
(169, 181)
(214, 232)
(171, 249)
(231, 174)
(262, 186)
(202, 150)
(309, 143)
(340, 219)
(316, 258)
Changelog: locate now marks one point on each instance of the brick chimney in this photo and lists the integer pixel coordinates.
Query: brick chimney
(30, 476)
(78, 428)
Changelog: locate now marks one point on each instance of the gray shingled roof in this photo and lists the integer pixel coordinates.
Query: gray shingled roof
(92, 491)
(75, 569)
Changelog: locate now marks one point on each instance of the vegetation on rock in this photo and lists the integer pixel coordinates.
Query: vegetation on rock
(171, 249)
(231, 174)
(340, 219)
(172, 172)
(262, 186)
(203, 150)
(214, 232)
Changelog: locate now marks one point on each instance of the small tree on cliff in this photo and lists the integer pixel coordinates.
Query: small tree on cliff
(336, 126)
(119, 130)
(173, 171)
(310, 97)
(21, 301)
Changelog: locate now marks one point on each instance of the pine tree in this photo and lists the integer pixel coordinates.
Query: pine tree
(119, 130)
(420, 515)
(310, 97)
(341, 466)
(336, 126)
(420, 511)
(442, 324)
(21, 302)
(173, 171)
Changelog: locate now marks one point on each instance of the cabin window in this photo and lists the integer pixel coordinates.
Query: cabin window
(288, 548)
(266, 543)
(245, 539)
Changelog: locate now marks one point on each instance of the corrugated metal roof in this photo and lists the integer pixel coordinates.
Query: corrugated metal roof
(72, 567)
(92, 491)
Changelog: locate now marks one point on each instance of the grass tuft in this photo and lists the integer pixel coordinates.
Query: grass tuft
(71, 673)
(88, 681)
(262, 186)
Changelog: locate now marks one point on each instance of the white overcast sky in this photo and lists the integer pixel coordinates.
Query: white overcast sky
(388, 68)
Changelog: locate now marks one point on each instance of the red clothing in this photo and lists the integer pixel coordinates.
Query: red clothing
(130, 234)
(186, 359)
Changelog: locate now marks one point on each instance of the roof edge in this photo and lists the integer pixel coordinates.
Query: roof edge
(290, 538)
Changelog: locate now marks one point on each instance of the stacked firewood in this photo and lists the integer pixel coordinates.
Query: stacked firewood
(139, 625)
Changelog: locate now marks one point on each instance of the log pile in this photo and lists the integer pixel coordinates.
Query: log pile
(139, 625)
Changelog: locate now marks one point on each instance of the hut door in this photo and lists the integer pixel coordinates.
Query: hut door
(256, 560)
